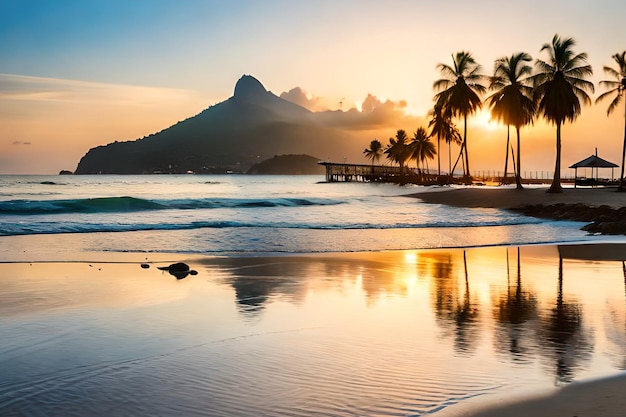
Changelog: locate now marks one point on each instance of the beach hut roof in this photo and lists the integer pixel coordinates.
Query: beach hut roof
(594, 161)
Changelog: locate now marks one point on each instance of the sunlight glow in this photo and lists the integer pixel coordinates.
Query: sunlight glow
(410, 258)
(484, 120)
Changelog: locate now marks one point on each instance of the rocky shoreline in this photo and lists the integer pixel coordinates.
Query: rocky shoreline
(603, 208)
(603, 219)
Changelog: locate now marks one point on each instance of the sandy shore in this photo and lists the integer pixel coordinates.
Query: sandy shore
(592, 398)
(117, 283)
(496, 197)
(598, 398)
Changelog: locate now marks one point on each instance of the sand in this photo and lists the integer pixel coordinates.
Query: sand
(598, 398)
(500, 197)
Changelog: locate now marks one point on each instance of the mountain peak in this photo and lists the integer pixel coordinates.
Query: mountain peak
(248, 86)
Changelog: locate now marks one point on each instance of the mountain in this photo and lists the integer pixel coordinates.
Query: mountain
(288, 165)
(251, 126)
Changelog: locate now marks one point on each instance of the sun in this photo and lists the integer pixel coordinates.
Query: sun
(483, 119)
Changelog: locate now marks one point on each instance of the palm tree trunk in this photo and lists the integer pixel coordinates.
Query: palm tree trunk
(555, 187)
(439, 155)
(518, 176)
(450, 158)
(622, 185)
(459, 158)
(467, 168)
(506, 161)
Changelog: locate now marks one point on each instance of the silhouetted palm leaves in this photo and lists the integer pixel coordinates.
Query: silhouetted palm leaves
(616, 88)
(559, 88)
(512, 101)
(374, 152)
(398, 150)
(421, 147)
(459, 93)
(442, 127)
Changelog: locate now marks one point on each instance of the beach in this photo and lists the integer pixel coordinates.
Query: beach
(508, 197)
(598, 397)
(88, 336)
(603, 397)
(99, 326)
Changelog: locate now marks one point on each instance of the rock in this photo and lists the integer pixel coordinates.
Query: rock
(604, 219)
(180, 270)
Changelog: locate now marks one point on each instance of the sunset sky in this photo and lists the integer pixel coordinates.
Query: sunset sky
(75, 74)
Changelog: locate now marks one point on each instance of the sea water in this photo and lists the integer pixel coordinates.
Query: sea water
(240, 214)
(279, 319)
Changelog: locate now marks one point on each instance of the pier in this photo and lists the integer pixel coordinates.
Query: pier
(344, 172)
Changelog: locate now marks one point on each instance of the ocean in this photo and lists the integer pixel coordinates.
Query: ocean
(310, 299)
(240, 214)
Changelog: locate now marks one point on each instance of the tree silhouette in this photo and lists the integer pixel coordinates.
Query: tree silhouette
(559, 88)
(398, 150)
(616, 87)
(442, 126)
(512, 101)
(459, 93)
(374, 151)
(421, 147)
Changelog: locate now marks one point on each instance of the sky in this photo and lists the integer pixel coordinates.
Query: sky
(75, 74)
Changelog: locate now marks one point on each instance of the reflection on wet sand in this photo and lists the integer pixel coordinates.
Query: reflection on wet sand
(525, 321)
(515, 311)
(385, 333)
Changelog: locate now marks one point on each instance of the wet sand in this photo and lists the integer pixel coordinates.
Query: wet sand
(505, 198)
(601, 398)
(117, 282)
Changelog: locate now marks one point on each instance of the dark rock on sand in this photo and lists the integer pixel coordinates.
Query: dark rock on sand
(604, 219)
(180, 270)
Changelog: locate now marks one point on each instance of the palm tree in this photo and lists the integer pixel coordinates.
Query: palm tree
(421, 147)
(616, 86)
(512, 101)
(559, 87)
(374, 151)
(443, 127)
(397, 150)
(459, 92)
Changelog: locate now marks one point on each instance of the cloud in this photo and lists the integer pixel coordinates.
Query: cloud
(43, 89)
(300, 97)
(374, 114)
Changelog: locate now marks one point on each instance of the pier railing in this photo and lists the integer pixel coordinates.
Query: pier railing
(344, 172)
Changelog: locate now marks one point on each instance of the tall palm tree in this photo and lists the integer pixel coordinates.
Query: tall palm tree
(397, 150)
(512, 102)
(442, 126)
(617, 86)
(374, 151)
(559, 88)
(459, 92)
(421, 147)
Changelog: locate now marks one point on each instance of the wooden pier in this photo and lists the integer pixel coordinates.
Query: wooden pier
(344, 172)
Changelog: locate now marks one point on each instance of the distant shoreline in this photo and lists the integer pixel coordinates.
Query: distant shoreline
(603, 208)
